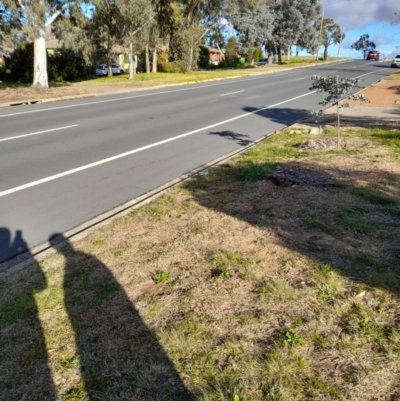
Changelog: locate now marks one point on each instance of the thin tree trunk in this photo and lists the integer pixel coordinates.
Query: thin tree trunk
(189, 66)
(279, 54)
(147, 59)
(338, 126)
(326, 53)
(135, 63)
(131, 62)
(109, 65)
(40, 78)
(270, 53)
(289, 52)
(154, 60)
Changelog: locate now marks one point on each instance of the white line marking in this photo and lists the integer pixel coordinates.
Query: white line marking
(109, 159)
(37, 133)
(299, 79)
(232, 93)
(368, 73)
(243, 79)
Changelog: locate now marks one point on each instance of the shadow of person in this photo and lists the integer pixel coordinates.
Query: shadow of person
(24, 368)
(8, 249)
(120, 358)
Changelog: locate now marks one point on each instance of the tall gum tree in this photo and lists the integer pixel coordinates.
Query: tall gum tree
(38, 16)
(136, 16)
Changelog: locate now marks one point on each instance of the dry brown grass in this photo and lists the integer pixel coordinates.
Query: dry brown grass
(264, 292)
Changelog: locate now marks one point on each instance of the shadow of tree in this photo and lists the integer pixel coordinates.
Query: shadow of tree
(24, 368)
(321, 215)
(279, 115)
(120, 358)
(240, 139)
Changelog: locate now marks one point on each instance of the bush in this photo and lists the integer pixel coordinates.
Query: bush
(2, 71)
(22, 63)
(172, 67)
(63, 65)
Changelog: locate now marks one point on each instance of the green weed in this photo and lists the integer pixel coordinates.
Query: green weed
(254, 172)
(292, 338)
(221, 259)
(315, 222)
(161, 277)
(273, 290)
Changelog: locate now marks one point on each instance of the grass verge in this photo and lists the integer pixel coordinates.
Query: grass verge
(229, 287)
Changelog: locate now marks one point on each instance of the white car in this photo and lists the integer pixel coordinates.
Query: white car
(102, 71)
(395, 62)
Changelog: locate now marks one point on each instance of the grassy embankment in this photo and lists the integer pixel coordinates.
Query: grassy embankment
(228, 287)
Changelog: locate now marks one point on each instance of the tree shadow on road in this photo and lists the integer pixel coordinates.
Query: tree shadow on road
(279, 115)
(240, 139)
(120, 358)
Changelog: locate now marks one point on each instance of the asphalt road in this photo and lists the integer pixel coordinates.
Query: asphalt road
(64, 163)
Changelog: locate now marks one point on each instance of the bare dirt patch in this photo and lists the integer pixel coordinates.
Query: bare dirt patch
(26, 93)
(385, 93)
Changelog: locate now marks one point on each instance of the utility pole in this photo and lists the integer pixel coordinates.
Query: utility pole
(320, 31)
(340, 43)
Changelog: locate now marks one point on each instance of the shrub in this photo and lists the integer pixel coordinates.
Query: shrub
(22, 63)
(63, 65)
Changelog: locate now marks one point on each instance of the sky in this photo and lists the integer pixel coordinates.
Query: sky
(374, 17)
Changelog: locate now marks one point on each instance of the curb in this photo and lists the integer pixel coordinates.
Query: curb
(72, 97)
(39, 252)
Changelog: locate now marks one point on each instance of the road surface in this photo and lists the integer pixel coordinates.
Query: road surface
(64, 163)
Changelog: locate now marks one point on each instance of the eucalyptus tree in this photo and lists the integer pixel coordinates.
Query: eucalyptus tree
(38, 17)
(135, 17)
(294, 23)
(364, 45)
(254, 22)
(198, 18)
(277, 24)
(331, 33)
(76, 30)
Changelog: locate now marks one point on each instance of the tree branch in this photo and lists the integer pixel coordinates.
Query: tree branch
(57, 14)
(21, 5)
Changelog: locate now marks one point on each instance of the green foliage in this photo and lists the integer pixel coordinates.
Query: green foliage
(292, 338)
(161, 277)
(364, 45)
(171, 67)
(63, 65)
(258, 53)
(255, 172)
(22, 63)
(2, 71)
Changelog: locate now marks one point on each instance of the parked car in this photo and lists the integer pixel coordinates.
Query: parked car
(395, 62)
(264, 61)
(373, 55)
(101, 70)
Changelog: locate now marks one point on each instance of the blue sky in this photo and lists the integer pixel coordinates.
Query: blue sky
(375, 17)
